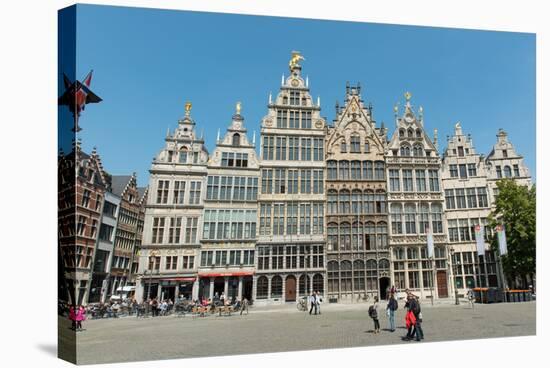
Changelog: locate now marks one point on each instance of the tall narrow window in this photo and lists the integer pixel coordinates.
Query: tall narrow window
(355, 144)
(420, 180)
(396, 219)
(236, 139)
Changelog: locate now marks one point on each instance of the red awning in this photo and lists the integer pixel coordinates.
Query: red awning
(180, 279)
(222, 274)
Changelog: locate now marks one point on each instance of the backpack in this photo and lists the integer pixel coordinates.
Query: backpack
(372, 312)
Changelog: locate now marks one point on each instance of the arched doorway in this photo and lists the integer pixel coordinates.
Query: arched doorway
(384, 287)
(290, 289)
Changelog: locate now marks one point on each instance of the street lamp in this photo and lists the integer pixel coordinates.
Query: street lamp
(452, 252)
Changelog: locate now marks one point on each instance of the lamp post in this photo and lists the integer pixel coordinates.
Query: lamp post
(452, 252)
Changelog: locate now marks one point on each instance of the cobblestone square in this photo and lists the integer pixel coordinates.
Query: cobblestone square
(284, 328)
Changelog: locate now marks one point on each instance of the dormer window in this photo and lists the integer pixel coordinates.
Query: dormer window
(417, 151)
(285, 100)
(355, 144)
(343, 147)
(505, 153)
(401, 133)
(294, 98)
(183, 155)
(418, 133)
(405, 151)
(236, 139)
(410, 133)
(460, 151)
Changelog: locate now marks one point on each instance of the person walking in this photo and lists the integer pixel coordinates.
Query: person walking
(471, 298)
(79, 317)
(373, 313)
(319, 300)
(390, 310)
(313, 303)
(244, 306)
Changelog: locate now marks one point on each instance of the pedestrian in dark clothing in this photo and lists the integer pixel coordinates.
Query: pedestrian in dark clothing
(313, 303)
(391, 308)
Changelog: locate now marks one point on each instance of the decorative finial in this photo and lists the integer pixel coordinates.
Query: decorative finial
(238, 108)
(307, 81)
(283, 79)
(408, 96)
(395, 109)
(254, 138)
(318, 101)
(188, 107)
(295, 59)
(420, 110)
(270, 101)
(218, 137)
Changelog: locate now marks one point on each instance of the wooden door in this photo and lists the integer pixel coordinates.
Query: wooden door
(290, 289)
(442, 291)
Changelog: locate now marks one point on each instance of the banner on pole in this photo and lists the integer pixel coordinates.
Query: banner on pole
(480, 239)
(501, 234)
(430, 241)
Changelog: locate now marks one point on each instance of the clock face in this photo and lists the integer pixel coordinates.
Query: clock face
(294, 83)
(318, 124)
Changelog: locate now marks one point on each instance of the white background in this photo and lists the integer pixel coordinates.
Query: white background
(28, 148)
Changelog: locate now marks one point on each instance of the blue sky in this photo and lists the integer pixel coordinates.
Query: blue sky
(147, 63)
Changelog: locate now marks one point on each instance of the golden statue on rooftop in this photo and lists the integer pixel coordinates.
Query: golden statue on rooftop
(408, 96)
(238, 108)
(188, 107)
(295, 59)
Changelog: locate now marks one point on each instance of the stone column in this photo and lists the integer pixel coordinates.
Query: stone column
(240, 289)
(226, 286)
(211, 289)
(269, 287)
(195, 292)
(298, 286)
(254, 288)
(176, 292)
(283, 295)
(139, 290)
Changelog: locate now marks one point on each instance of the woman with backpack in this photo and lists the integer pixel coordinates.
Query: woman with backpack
(373, 313)
(390, 310)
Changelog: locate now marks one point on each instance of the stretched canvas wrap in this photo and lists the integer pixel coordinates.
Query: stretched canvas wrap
(236, 184)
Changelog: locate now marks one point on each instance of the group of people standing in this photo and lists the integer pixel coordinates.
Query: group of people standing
(413, 315)
(315, 300)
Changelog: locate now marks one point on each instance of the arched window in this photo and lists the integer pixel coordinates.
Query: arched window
(507, 171)
(418, 133)
(401, 133)
(380, 201)
(236, 139)
(418, 151)
(410, 218)
(383, 265)
(318, 283)
(343, 146)
(344, 201)
(372, 275)
(355, 144)
(343, 170)
(367, 170)
(368, 199)
(437, 221)
(332, 236)
(276, 287)
(405, 151)
(333, 277)
(345, 236)
(332, 201)
(382, 235)
(379, 170)
(332, 170)
(357, 231)
(396, 219)
(356, 207)
(370, 236)
(261, 287)
(304, 285)
(423, 218)
(367, 146)
(356, 170)
(358, 275)
(345, 275)
(410, 133)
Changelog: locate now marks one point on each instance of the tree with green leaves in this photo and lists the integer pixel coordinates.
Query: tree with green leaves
(515, 208)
